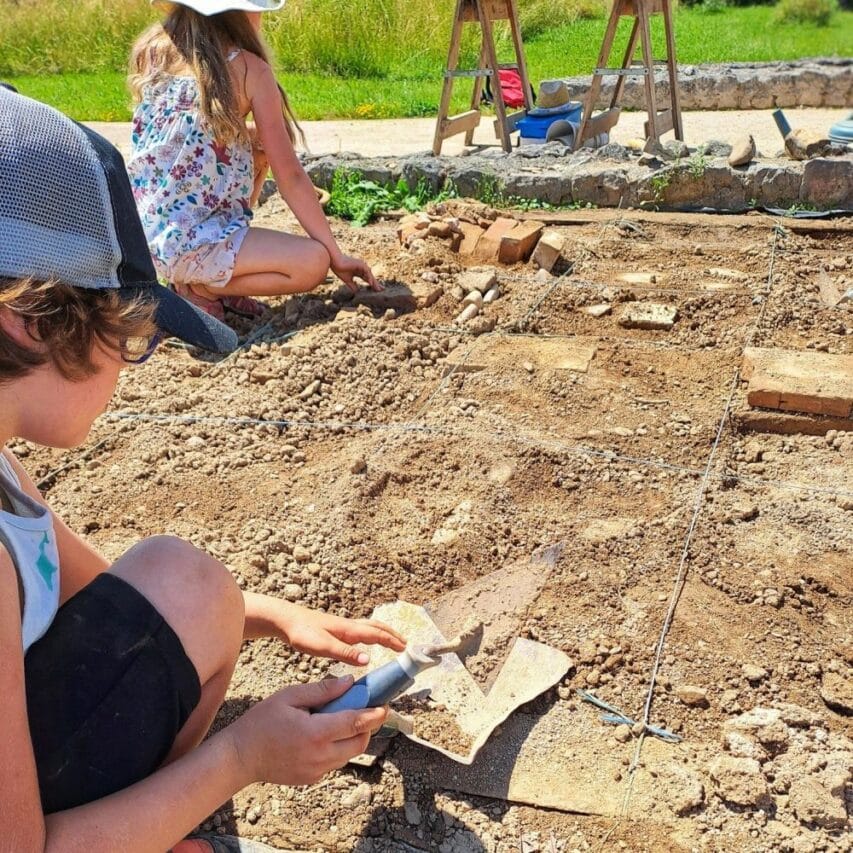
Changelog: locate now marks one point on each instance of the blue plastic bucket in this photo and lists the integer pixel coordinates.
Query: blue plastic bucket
(536, 127)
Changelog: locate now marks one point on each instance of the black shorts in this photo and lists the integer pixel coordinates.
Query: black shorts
(109, 686)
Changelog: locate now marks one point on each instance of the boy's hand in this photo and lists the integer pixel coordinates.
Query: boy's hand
(347, 269)
(323, 635)
(279, 741)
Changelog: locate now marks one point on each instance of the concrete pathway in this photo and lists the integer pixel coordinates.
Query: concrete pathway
(397, 137)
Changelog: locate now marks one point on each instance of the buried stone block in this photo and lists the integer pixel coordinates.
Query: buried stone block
(481, 279)
(799, 381)
(549, 250)
(489, 245)
(740, 781)
(648, 315)
(813, 804)
(400, 297)
(518, 244)
(544, 354)
(471, 235)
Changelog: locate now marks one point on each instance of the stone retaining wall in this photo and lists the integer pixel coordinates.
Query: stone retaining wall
(740, 86)
(613, 177)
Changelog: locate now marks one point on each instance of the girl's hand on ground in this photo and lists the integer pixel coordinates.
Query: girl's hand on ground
(323, 635)
(279, 741)
(347, 269)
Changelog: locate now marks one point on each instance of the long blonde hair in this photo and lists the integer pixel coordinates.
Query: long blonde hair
(200, 43)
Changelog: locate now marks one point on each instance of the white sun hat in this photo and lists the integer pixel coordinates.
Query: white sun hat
(214, 7)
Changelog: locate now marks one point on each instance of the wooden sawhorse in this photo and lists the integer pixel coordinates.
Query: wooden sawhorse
(484, 12)
(659, 122)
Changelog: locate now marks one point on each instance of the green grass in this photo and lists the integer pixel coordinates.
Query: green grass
(392, 69)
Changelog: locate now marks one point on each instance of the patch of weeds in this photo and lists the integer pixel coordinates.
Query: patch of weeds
(490, 190)
(359, 200)
(817, 12)
(659, 183)
(800, 207)
(697, 164)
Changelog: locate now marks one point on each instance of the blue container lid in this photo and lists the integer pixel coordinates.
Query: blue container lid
(842, 132)
(536, 127)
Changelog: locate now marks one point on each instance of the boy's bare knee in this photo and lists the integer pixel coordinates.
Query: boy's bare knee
(170, 570)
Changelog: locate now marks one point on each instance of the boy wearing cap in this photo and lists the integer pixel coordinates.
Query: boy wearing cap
(111, 674)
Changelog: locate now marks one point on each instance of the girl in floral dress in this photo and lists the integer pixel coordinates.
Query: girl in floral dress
(197, 163)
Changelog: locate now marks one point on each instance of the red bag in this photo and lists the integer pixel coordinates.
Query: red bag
(510, 82)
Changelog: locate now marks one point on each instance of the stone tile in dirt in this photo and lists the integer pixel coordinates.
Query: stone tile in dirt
(634, 400)
(455, 510)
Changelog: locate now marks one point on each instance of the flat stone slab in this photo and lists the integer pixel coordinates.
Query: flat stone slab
(400, 297)
(303, 340)
(564, 759)
(648, 315)
(499, 353)
(799, 381)
(641, 277)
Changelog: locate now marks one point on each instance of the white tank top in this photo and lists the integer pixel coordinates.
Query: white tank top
(27, 533)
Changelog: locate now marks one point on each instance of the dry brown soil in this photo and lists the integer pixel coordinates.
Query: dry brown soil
(609, 461)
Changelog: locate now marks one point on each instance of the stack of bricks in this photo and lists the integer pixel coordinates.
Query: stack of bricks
(505, 240)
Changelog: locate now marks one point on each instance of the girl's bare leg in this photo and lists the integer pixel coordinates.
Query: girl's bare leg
(271, 263)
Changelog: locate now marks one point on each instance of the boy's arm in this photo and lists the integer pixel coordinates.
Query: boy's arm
(180, 795)
(21, 820)
(315, 632)
(79, 561)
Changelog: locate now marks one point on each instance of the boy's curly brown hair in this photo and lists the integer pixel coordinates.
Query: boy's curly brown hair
(64, 323)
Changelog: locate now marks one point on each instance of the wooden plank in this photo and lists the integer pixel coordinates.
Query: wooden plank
(447, 87)
(487, 14)
(663, 123)
(496, 10)
(515, 29)
(511, 122)
(672, 66)
(459, 123)
(595, 85)
(648, 61)
(705, 220)
(603, 122)
(799, 381)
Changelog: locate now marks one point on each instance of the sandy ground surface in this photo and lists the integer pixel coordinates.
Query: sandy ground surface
(396, 137)
(350, 466)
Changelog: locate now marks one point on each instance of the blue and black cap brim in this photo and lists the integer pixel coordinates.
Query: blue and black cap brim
(176, 316)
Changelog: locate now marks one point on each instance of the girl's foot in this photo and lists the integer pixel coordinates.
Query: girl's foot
(213, 307)
(244, 306)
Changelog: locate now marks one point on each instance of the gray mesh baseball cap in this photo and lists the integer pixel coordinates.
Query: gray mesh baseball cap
(67, 212)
